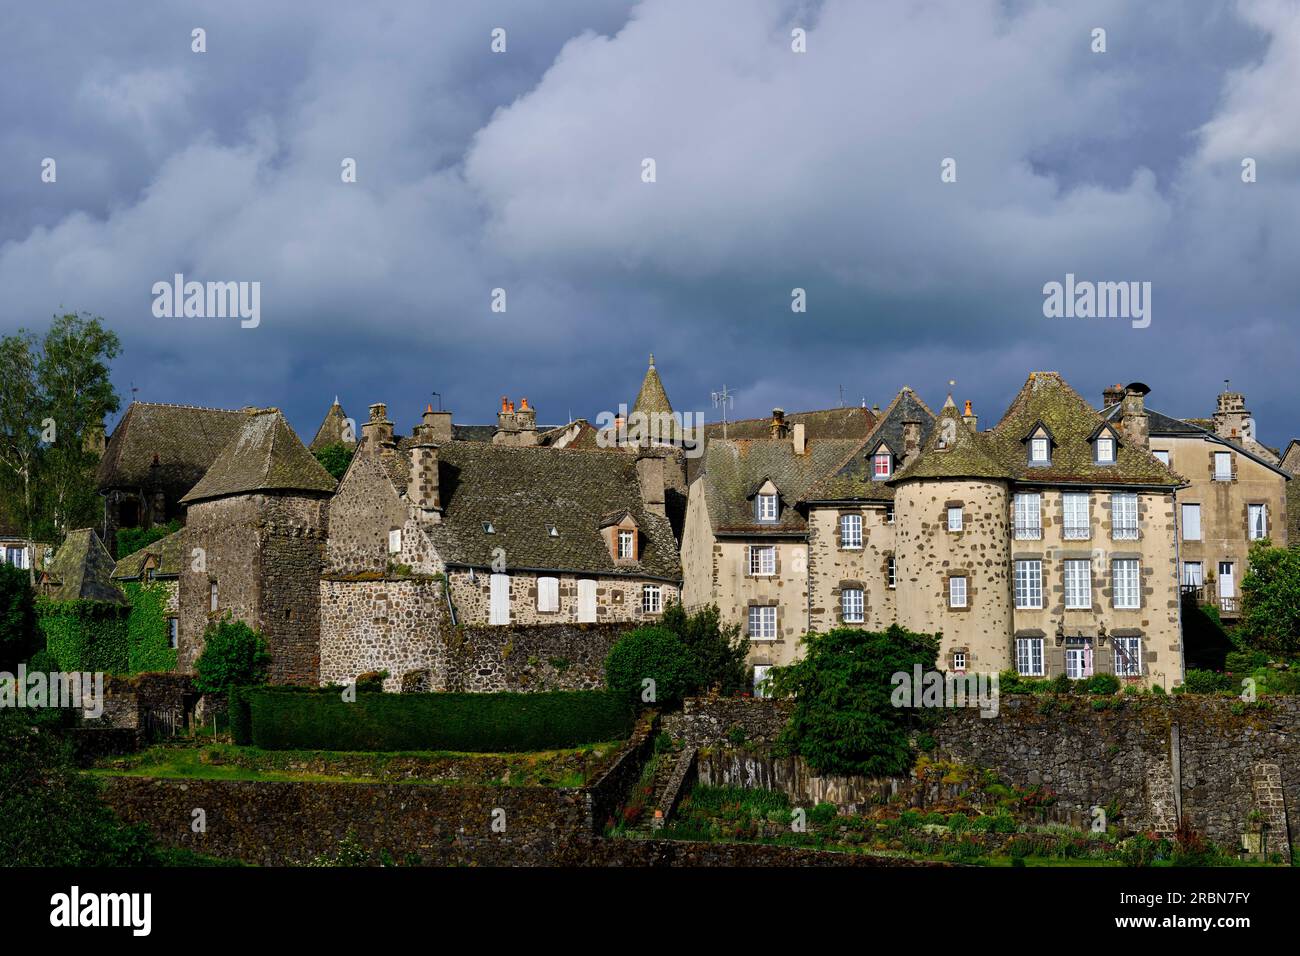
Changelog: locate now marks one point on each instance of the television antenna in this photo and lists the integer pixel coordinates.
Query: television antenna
(724, 399)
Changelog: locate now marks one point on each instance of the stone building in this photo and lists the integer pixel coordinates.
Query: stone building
(158, 564)
(81, 570)
(253, 546)
(19, 550)
(155, 455)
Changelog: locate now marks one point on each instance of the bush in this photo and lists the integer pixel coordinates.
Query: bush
(85, 635)
(1206, 682)
(17, 617)
(335, 458)
(131, 540)
(234, 655)
(653, 653)
(42, 662)
(719, 650)
(282, 718)
(823, 813)
(1103, 684)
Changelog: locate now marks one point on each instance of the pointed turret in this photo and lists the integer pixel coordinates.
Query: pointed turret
(264, 455)
(334, 430)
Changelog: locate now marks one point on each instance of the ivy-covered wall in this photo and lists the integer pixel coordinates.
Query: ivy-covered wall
(148, 648)
(85, 635)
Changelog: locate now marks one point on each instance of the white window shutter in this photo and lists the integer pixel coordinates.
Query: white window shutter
(586, 600)
(548, 594)
(499, 605)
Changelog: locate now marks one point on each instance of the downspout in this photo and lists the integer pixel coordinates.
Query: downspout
(1178, 590)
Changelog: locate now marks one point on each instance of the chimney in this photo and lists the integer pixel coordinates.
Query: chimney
(911, 441)
(1112, 396)
(378, 432)
(422, 491)
(800, 445)
(515, 427)
(1134, 422)
(650, 476)
(777, 427)
(970, 418)
(434, 426)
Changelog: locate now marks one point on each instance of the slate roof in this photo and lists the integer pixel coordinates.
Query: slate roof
(263, 455)
(1159, 424)
(82, 569)
(652, 399)
(852, 480)
(735, 469)
(168, 552)
(331, 431)
(851, 421)
(953, 450)
(184, 439)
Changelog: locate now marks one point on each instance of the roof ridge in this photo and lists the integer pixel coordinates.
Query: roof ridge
(197, 408)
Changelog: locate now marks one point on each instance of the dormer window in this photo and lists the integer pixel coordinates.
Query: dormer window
(882, 464)
(488, 528)
(767, 507)
(1040, 451)
(626, 545)
(552, 531)
(1105, 447)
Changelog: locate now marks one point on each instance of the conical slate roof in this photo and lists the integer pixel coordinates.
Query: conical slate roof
(652, 399)
(953, 450)
(264, 455)
(333, 430)
(82, 570)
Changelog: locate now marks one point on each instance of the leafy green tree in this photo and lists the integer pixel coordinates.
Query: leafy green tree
(719, 650)
(17, 617)
(844, 721)
(653, 653)
(131, 540)
(335, 458)
(234, 655)
(20, 432)
(1270, 600)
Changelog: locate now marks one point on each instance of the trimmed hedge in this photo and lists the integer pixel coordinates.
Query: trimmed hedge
(276, 718)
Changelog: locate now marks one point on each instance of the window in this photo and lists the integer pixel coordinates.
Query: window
(499, 599)
(1227, 586)
(959, 661)
(212, 596)
(1028, 517)
(882, 463)
(957, 591)
(851, 605)
(1124, 516)
(1077, 513)
(760, 678)
(762, 560)
(954, 519)
(850, 531)
(626, 545)
(173, 632)
(651, 599)
(890, 570)
(586, 600)
(1125, 582)
(394, 541)
(1029, 656)
(1078, 584)
(1040, 451)
(889, 513)
(1191, 522)
(16, 556)
(1193, 574)
(1258, 517)
(767, 507)
(1223, 466)
(1105, 451)
(488, 528)
(1029, 584)
(762, 623)
(1128, 656)
(1162, 457)
(1078, 657)
(552, 531)
(548, 594)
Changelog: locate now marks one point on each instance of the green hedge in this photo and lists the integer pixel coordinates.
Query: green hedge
(310, 719)
(85, 635)
(148, 648)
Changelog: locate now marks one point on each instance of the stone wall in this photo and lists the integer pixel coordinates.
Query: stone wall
(397, 625)
(531, 657)
(708, 722)
(146, 702)
(832, 567)
(618, 599)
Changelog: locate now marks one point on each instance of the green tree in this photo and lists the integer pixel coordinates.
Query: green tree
(20, 433)
(335, 458)
(131, 540)
(651, 653)
(719, 650)
(1270, 600)
(17, 617)
(234, 655)
(844, 721)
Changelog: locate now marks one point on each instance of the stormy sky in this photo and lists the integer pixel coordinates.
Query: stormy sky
(775, 170)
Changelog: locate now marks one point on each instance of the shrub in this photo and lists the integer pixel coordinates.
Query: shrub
(653, 653)
(131, 540)
(335, 458)
(234, 655)
(1206, 682)
(823, 813)
(17, 616)
(719, 650)
(42, 662)
(1103, 684)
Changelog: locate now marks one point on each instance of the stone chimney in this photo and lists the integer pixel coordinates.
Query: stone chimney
(1112, 396)
(378, 432)
(422, 491)
(970, 418)
(515, 427)
(800, 443)
(777, 427)
(434, 426)
(1134, 422)
(650, 477)
(911, 441)
(1230, 415)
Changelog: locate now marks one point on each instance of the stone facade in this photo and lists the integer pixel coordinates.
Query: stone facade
(395, 625)
(618, 600)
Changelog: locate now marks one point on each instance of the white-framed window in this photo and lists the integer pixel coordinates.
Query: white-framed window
(1223, 466)
(851, 531)
(1040, 451)
(1124, 516)
(1078, 584)
(1029, 656)
(1128, 656)
(1258, 520)
(1227, 580)
(499, 599)
(1105, 450)
(626, 545)
(889, 513)
(954, 518)
(212, 596)
(851, 605)
(767, 507)
(882, 464)
(173, 633)
(891, 570)
(1029, 583)
(1126, 580)
(1028, 517)
(1078, 657)
(652, 599)
(1162, 456)
(762, 623)
(959, 661)
(548, 594)
(394, 540)
(17, 556)
(1191, 522)
(1077, 515)
(586, 600)
(1193, 573)
(760, 678)
(762, 560)
(957, 591)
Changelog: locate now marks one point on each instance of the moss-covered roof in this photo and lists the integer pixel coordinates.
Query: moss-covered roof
(333, 430)
(165, 447)
(652, 399)
(165, 551)
(853, 479)
(953, 450)
(82, 570)
(734, 471)
(263, 455)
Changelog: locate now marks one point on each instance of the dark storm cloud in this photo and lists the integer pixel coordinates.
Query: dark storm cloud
(775, 170)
